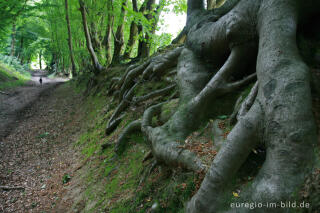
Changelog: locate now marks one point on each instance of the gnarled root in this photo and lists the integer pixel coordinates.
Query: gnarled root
(157, 65)
(114, 121)
(121, 142)
(281, 117)
(194, 103)
(160, 92)
(242, 109)
(241, 140)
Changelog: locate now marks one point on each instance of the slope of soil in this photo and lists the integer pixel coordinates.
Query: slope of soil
(10, 78)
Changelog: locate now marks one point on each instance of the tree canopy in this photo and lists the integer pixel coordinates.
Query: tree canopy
(117, 31)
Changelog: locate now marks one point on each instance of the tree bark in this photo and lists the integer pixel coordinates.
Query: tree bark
(211, 4)
(21, 49)
(133, 33)
(119, 36)
(225, 49)
(13, 37)
(151, 13)
(97, 66)
(281, 115)
(74, 69)
(95, 37)
(40, 59)
(108, 36)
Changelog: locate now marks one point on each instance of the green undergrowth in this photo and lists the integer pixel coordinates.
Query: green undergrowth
(120, 183)
(10, 78)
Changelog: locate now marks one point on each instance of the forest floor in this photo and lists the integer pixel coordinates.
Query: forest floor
(36, 154)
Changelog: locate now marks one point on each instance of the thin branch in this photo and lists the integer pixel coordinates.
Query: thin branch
(12, 187)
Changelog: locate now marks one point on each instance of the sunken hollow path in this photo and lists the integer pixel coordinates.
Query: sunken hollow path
(37, 154)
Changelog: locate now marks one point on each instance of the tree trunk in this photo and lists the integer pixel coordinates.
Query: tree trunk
(21, 49)
(40, 59)
(74, 69)
(145, 43)
(133, 33)
(13, 37)
(97, 67)
(96, 43)
(211, 4)
(108, 37)
(119, 36)
(132, 40)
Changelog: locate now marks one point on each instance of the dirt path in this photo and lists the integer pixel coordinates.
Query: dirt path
(12, 102)
(37, 153)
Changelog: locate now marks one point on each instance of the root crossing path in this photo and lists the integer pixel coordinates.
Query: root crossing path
(36, 154)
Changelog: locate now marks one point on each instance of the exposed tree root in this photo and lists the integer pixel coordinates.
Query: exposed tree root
(114, 121)
(160, 92)
(164, 140)
(147, 156)
(113, 125)
(242, 109)
(281, 115)
(233, 116)
(121, 142)
(222, 49)
(157, 65)
(128, 81)
(241, 140)
(147, 171)
(248, 102)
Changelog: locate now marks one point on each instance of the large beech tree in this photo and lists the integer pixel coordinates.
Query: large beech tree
(242, 42)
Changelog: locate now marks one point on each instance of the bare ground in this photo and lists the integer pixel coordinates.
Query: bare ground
(37, 150)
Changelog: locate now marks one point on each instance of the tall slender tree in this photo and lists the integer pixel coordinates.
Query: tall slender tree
(74, 69)
(97, 66)
(119, 36)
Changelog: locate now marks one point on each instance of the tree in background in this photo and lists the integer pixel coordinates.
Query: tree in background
(74, 69)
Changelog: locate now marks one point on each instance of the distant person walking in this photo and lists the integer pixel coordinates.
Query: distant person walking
(40, 80)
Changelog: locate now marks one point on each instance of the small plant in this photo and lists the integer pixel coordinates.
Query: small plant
(44, 135)
(34, 204)
(66, 178)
